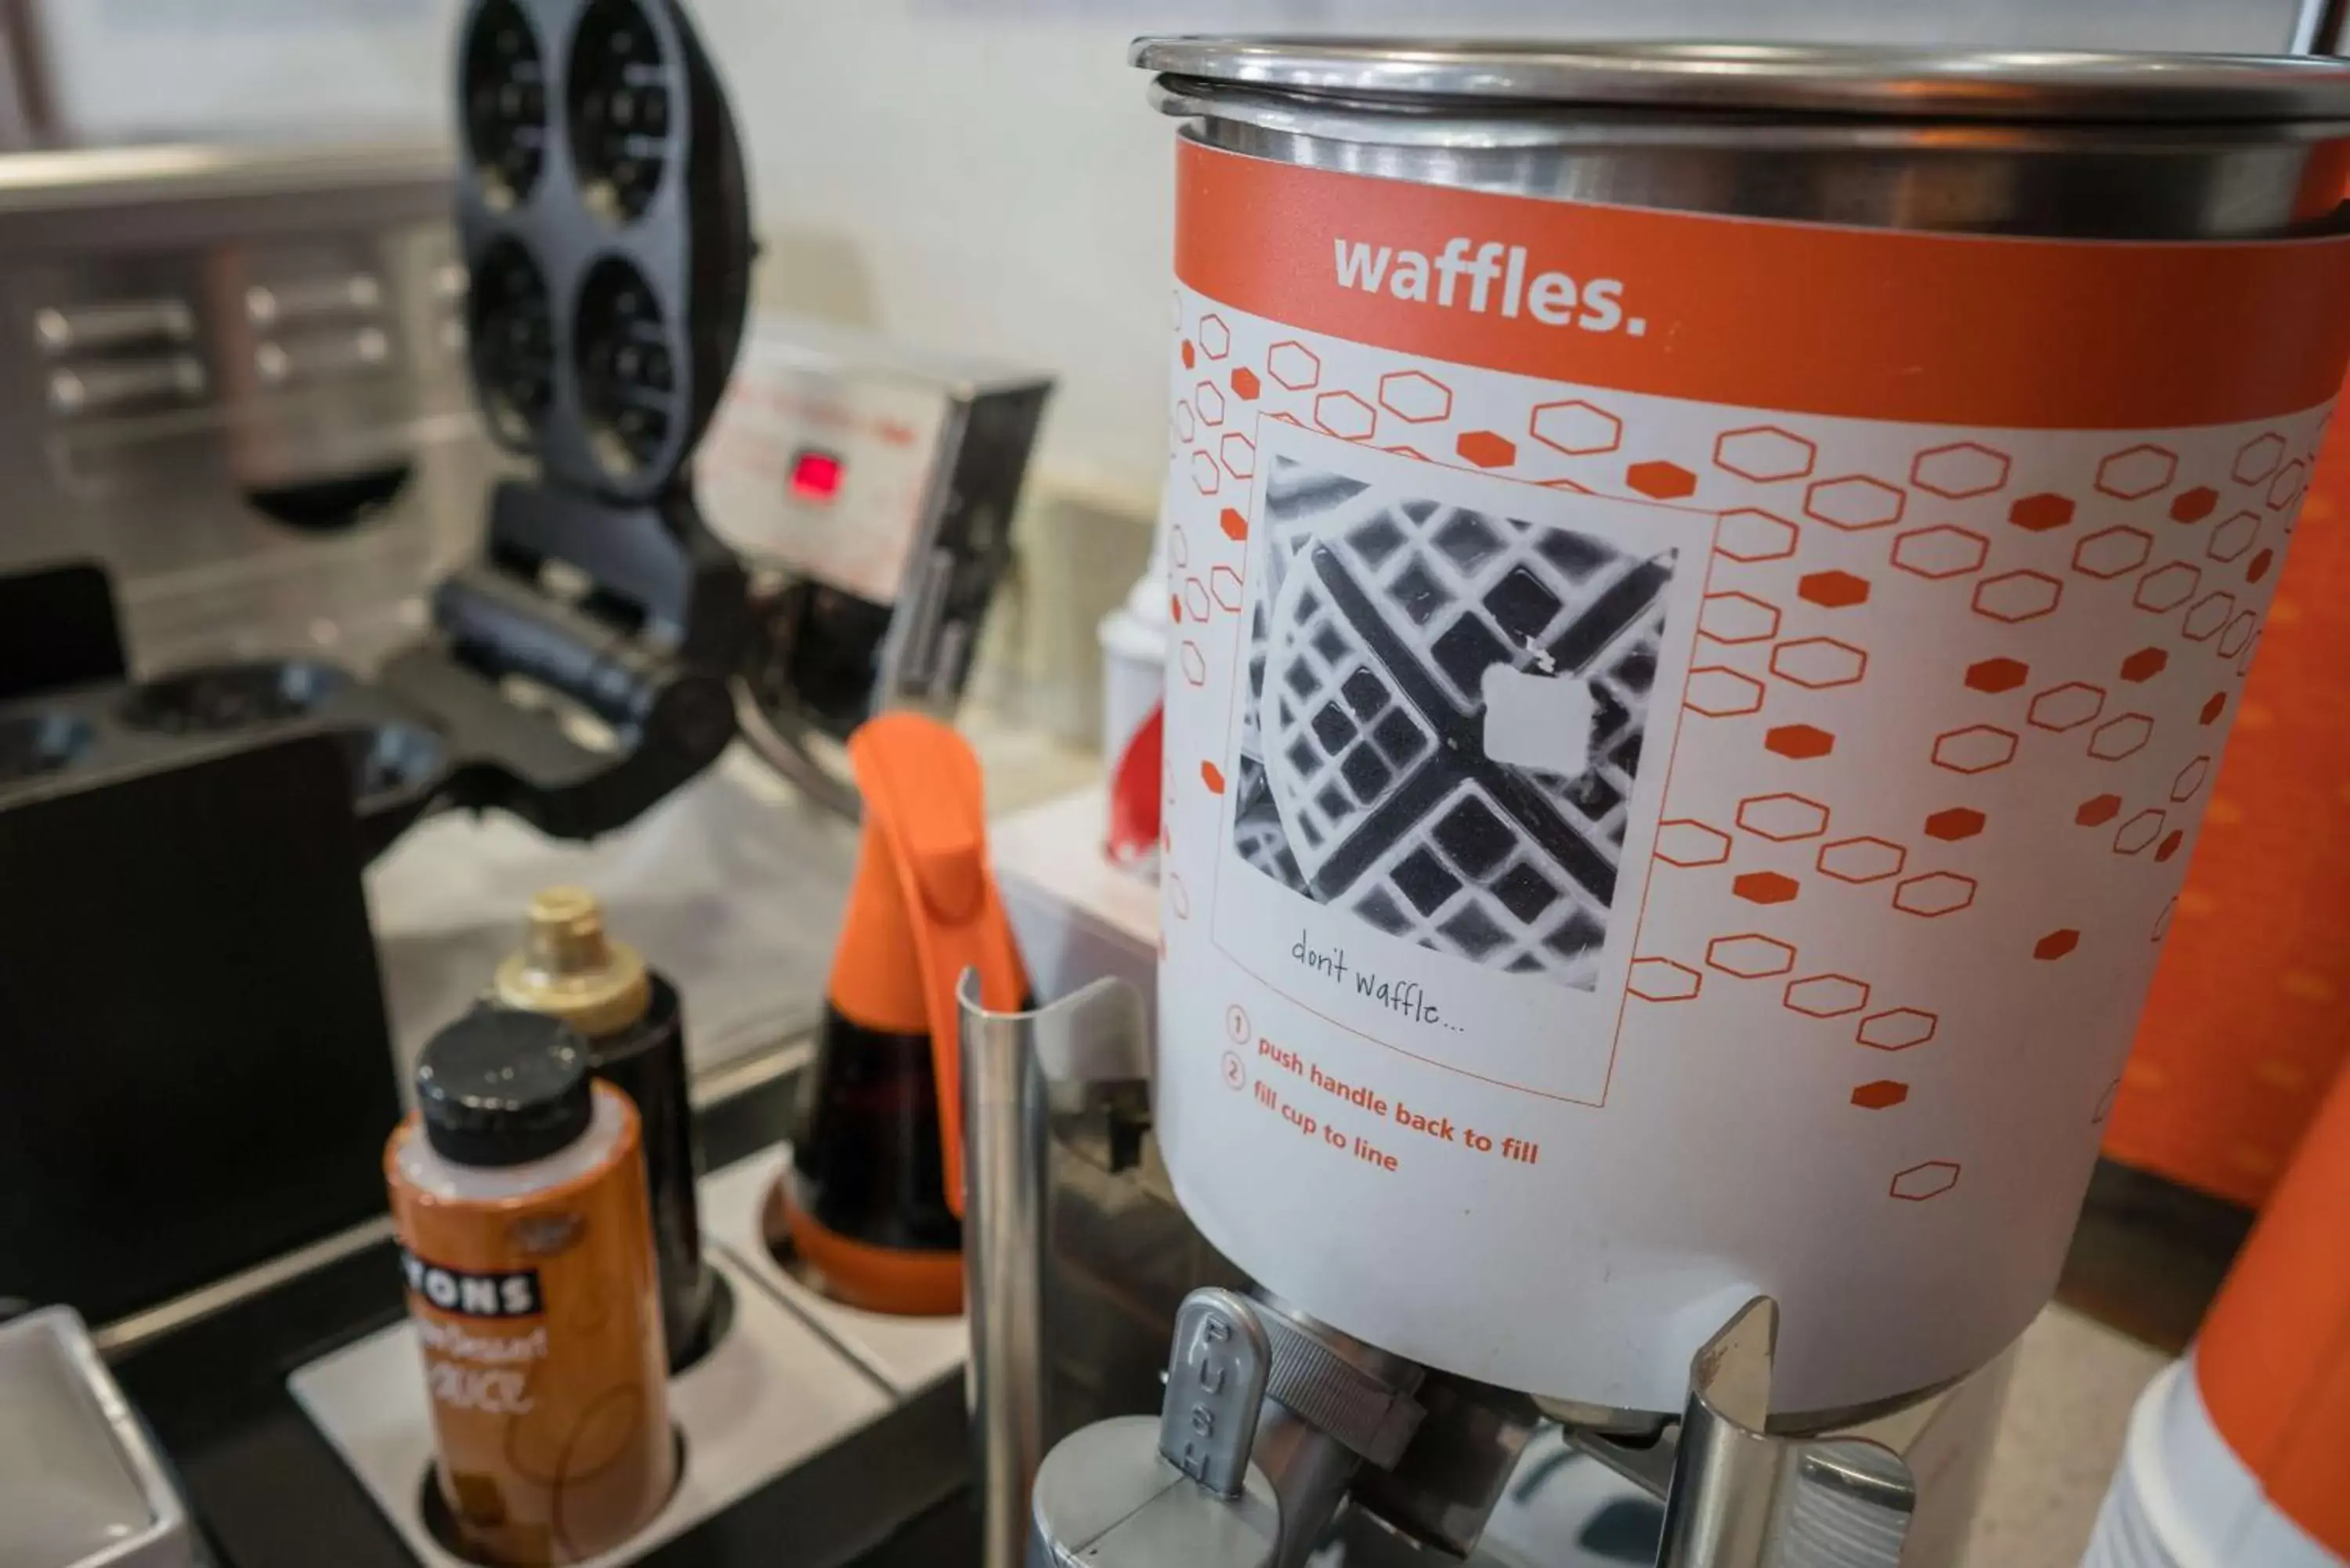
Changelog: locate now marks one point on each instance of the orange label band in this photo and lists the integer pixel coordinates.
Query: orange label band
(1791, 316)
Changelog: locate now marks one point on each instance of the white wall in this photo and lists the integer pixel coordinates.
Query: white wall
(984, 174)
(132, 70)
(977, 175)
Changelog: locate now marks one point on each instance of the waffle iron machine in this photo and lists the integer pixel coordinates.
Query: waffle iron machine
(214, 820)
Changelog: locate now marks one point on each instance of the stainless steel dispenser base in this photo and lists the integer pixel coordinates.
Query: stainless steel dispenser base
(1894, 1489)
(1425, 1453)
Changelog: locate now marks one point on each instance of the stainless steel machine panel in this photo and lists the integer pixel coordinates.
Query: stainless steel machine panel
(236, 377)
(874, 485)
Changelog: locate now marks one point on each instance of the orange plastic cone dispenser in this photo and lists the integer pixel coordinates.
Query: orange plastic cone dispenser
(871, 1204)
(2240, 1454)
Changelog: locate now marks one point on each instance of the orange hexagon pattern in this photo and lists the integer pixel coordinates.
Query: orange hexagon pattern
(1977, 749)
(2066, 707)
(2258, 458)
(1931, 1180)
(2194, 505)
(1736, 618)
(1997, 674)
(2123, 737)
(1936, 893)
(2136, 471)
(1826, 996)
(1415, 397)
(2018, 596)
(2167, 587)
(1958, 822)
(1896, 1029)
(1486, 449)
(2055, 945)
(1661, 980)
(1209, 402)
(1764, 888)
(2137, 833)
(1801, 742)
(2040, 513)
(1294, 366)
(2113, 552)
(1941, 551)
(1690, 843)
(1346, 416)
(2284, 490)
(1576, 428)
(1749, 534)
(1818, 662)
(2014, 568)
(1959, 470)
(1854, 502)
(2240, 634)
(1661, 480)
(1833, 590)
(1750, 956)
(1238, 455)
(2207, 616)
(1718, 692)
(1782, 818)
(1862, 859)
(1764, 452)
(2099, 811)
(2233, 536)
(1880, 1095)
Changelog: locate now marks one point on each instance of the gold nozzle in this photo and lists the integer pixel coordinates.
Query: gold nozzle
(569, 969)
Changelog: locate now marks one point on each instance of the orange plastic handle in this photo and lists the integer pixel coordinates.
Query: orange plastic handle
(926, 810)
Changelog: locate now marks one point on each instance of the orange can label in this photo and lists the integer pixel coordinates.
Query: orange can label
(1683, 738)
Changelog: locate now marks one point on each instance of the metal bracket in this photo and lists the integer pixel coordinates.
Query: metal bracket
(1841, 1494)
(1010, 1062)
(646, 646)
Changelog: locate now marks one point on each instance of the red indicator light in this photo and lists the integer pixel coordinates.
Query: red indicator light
(816, 475)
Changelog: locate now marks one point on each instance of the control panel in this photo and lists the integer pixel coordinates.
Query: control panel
(871, 487)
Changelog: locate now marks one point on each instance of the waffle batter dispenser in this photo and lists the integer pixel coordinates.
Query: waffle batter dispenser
(1676, 779)
(870, 1208)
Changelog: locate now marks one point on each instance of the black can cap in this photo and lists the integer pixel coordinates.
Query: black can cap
(502, 1087)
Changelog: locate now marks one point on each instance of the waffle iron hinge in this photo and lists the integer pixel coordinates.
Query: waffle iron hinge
(632, 612)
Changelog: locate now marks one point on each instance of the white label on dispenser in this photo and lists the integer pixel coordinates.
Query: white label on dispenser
(1628, 851)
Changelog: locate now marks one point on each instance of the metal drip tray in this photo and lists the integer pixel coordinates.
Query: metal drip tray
(80, 1485)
